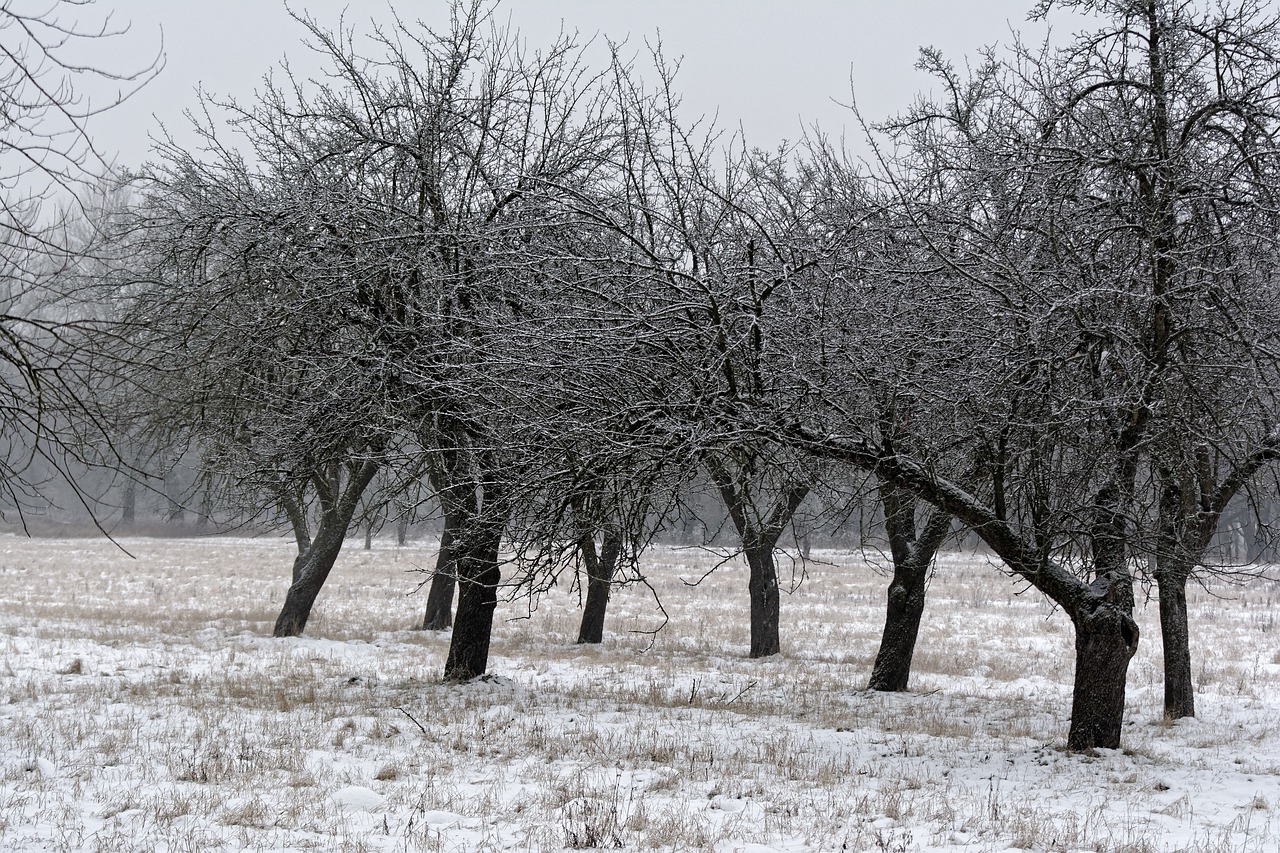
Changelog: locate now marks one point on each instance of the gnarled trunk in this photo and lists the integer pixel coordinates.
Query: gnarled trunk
(600, 571)
(1102, 613)
(1106, 639)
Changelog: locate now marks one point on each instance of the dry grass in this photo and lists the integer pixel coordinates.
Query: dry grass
(143, 707)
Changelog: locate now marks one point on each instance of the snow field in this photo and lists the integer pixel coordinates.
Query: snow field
(144, 707)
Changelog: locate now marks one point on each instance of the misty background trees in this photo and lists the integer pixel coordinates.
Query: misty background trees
(513, 291)
(49, 168)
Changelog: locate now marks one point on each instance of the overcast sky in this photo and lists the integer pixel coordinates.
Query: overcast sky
(766, 65)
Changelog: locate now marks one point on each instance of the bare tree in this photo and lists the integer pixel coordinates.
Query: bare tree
(367, 263)
(48, 164)
(990, 375)
(1173, 111)
(1076, 206)
(715, 242)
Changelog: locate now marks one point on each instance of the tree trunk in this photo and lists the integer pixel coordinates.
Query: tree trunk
(295, 510)
(478, 578)
(763, 590)
(600, 571)
(905, 607)
(759, 535)
(1183, 533)
(1106, 639)
(129, 512)
(912, 558)
(310, 570)
(1179, 690)
(439, 613)
(312, 566)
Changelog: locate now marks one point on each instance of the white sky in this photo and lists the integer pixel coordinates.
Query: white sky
(767, 65)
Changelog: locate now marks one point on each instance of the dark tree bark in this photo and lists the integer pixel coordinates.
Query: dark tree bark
(912, 559)
(478, 577)
(311, 568)
(471, 496)
(1106, 639)
(1180, 543)
(600, 570)
(1179, 688)
(291, 501)
(296, 511)
(1102, 612)
(759, 540)
(1192, 501)
(762, 587)
(439, 612)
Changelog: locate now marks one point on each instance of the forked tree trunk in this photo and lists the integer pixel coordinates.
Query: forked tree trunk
(1192, 501)
(310, 570)
(299, 567)
(600, 570)
(312, 566)
(478, 577)
(912, 559)
(906, 597)
(439, 612)
(759, 535)
(1106, 639)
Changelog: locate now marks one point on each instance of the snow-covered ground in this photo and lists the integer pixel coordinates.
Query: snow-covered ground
(143, 707)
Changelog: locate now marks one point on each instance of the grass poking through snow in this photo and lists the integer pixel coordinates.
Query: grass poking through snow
(144, 707)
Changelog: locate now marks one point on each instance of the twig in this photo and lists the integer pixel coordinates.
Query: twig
(740, 692)
(411, 719)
